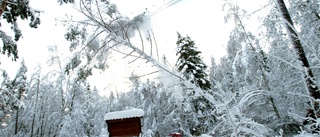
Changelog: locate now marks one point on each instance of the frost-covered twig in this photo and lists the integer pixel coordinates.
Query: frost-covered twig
(287, 62)
(8, 92)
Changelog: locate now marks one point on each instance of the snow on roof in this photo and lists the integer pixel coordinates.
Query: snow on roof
(124, 114)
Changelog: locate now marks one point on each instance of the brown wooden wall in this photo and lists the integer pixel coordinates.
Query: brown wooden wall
(124, 127)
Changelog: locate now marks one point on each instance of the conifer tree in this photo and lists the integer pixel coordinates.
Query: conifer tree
(15, 93)
(190, 63)
(193, 68)
(20, 83)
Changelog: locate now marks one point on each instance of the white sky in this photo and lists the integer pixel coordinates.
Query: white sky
(202, 20)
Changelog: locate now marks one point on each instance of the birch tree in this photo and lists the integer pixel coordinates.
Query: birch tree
(250, 67)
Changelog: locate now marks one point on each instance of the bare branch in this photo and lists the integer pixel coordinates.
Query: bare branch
(126, 53)
(94, 37)
(99, 12)
(146, 74)
(149, 38)
(91, 16)
(130, 54)
(142, 45)
(105, 44)
(155, 42)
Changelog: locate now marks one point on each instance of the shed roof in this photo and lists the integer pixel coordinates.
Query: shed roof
(124, 114)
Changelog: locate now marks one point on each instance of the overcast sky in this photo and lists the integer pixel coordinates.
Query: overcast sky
(202, 20)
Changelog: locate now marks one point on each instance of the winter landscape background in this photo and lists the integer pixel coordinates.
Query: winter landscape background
(79, 59)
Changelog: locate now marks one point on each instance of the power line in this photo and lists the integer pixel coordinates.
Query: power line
(165, 6)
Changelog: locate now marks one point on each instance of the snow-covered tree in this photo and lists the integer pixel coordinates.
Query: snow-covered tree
(20, 92)
(5, 108)
(192, 68)
(15, 93)
(213, 73)
(292, 34)
(85, 114)
(301, 55)
(190, 63)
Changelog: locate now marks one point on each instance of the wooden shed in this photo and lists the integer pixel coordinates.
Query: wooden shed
(124, 123)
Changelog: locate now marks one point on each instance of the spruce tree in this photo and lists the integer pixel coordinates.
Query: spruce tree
(15, 92)
(190, 63)
(192, 67)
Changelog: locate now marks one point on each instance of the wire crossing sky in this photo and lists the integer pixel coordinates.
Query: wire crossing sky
(165, 6)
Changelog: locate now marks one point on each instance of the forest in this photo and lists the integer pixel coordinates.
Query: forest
(267, 83)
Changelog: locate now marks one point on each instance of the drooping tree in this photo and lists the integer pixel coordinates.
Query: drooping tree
(112, 32)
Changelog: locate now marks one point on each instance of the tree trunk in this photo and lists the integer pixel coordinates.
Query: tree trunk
(35, 107)
(32, 125)
(17, 123)
(294, 38)
(72, 99)
(266, 84)
(263, 70)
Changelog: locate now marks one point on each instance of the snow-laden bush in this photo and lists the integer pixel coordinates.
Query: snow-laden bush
(232, 122)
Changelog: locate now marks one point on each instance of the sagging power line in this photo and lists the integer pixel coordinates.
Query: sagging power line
(165, 6)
